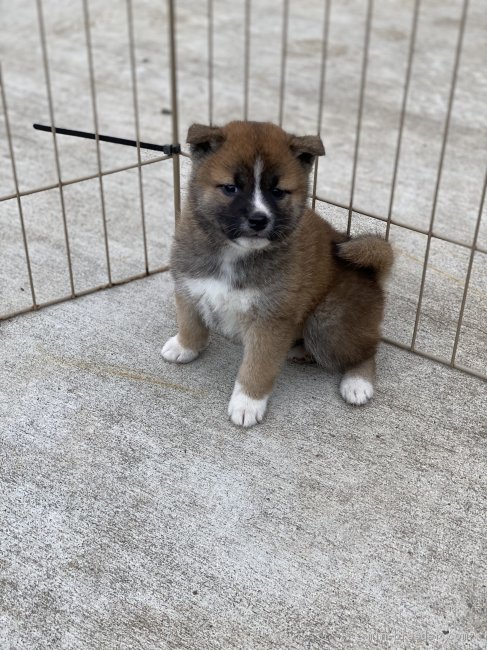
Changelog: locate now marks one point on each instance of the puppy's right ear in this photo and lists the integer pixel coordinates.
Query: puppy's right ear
(204, 139)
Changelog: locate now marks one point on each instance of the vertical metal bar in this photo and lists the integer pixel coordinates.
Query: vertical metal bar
(324, 52)
(94, 108)
(365, 60)
(247, 59)
(16, 185)
(47, 77)
(210, 62)
(412, 44)
(133, 72)
(456, 64)
(282, 88)
(174, 107)
(469, 272)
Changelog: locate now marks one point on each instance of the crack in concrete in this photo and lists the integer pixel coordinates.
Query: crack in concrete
(119, 372)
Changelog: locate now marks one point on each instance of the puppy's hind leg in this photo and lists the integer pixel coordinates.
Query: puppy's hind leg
(344, 331)
(357, 384)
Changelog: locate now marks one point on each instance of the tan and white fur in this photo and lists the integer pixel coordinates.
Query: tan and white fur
(252, 262)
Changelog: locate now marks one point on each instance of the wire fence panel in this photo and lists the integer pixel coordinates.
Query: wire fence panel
(400, 104)
(40, 230)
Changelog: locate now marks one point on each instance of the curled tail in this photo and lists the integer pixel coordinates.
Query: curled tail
(367, 252)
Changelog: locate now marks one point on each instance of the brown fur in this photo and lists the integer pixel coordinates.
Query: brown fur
(314, 283)
(193, 333)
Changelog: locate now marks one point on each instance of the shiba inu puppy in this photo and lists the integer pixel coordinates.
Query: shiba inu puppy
(251, 261)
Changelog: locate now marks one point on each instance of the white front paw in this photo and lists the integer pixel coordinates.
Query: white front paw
(245, 411)
(176, 353)
(356, 390)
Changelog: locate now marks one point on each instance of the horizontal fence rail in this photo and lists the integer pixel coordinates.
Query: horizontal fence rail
(283, 92)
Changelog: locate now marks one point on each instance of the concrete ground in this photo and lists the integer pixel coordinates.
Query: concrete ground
(134, 515)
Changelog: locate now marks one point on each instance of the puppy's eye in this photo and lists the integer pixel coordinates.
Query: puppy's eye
(229, 190)
(277, 193)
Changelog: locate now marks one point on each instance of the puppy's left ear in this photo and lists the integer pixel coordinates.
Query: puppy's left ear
(204, 139)
(306, 148)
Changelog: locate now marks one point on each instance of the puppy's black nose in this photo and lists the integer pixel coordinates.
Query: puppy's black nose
(258, 221)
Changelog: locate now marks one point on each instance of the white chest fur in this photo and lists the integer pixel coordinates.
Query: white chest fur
(220, 305)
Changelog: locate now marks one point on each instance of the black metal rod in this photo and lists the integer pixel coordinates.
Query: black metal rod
(165, 148)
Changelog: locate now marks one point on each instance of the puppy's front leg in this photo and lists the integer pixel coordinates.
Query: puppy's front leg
(265, 349)
(192, 334)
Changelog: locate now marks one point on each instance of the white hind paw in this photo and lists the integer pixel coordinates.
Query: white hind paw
(356, 390)
(174, 352)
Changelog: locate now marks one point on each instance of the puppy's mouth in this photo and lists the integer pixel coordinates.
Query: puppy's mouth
(252, 242)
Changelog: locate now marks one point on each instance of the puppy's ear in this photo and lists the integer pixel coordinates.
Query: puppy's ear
(204, 139)
(306, 148)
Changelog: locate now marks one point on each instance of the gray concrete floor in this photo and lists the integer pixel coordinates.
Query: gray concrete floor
(135, 515)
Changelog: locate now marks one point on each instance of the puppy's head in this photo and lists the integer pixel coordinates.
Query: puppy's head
(250, 180)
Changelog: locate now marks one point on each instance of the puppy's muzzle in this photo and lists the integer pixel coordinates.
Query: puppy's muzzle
(258, 221)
